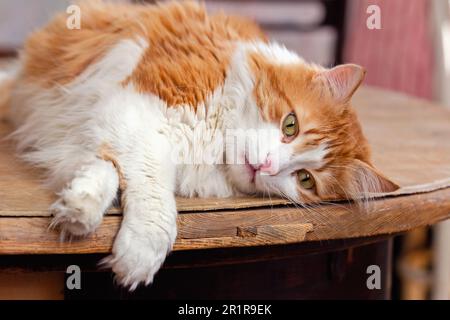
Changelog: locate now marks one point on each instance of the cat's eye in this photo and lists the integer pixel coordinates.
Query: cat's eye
(305, 179)
(290, 126)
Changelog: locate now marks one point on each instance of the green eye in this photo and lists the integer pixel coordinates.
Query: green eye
(305, 179)
(290, 125)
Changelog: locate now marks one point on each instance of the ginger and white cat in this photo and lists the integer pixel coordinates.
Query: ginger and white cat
(145, 98)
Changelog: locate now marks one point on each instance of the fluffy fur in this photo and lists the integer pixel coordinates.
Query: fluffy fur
(151, 100)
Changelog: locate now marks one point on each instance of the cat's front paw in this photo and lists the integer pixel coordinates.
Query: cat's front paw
(76, 214)
(138, 253)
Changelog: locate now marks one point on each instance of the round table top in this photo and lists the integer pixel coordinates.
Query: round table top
(411, 144)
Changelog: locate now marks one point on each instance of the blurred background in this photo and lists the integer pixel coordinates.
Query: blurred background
(403, 44)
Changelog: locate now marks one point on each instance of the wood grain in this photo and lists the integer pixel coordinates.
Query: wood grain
(410, 137)
(220, 229)
(250, 236)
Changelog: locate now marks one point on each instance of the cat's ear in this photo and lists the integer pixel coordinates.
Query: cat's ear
(342, 81)
(367, 179)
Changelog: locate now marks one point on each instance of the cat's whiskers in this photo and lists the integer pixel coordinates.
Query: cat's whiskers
(362, 197)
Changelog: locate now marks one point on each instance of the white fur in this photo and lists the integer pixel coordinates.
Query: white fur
(274, 52)
(158, 149)
(81, 205)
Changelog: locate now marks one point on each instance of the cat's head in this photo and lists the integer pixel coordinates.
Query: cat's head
(316, 150)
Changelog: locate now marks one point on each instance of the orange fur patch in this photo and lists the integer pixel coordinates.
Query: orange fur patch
(185, 62)
(57, 55)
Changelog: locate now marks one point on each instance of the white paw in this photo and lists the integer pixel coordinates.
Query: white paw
(138, 254)
(78, 214)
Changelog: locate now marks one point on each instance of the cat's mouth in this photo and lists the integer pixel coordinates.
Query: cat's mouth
(251, 170)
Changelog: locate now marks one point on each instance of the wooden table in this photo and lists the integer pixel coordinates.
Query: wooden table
(249, 248)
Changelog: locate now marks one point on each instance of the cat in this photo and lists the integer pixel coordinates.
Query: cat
(164, 100)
